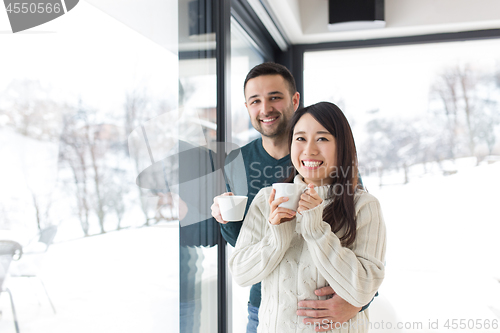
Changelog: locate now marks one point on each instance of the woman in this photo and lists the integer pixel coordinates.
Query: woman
(337, 237)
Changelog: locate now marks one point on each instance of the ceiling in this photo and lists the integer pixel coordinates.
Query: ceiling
(306, 21)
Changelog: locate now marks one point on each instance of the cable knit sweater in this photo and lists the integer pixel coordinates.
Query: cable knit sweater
(295, 258)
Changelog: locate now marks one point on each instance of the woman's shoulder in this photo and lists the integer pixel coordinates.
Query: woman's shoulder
(263, 194)
(362, 198)
(260, 201)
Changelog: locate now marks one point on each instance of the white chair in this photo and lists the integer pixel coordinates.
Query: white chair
(9, 250)
(33, 254)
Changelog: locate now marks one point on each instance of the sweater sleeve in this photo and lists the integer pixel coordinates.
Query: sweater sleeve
(236, 182)
(355, 272)
(260, 245)
(230, 231)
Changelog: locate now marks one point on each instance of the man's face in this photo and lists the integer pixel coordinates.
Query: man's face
(269, 104)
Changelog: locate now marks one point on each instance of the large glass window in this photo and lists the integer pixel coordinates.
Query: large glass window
(426, 120)
(244, 56)
(72, 92)
(197, 154)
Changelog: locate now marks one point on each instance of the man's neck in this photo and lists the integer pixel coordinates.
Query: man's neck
(277, 147)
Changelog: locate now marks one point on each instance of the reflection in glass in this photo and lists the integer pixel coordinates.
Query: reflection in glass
(70, 99)
(197, 167)
(244, 56)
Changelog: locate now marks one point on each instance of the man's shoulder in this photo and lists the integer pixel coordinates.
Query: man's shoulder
(249, 149)
(252, 146)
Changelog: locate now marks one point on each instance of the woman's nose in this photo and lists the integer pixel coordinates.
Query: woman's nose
(311, 148)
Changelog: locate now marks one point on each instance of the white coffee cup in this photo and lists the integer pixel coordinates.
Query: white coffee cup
(292, 191)
(232, 207)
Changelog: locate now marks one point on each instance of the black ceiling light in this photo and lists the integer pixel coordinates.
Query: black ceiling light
(355, 14)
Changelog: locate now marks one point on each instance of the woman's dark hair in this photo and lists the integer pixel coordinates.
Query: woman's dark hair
(339, 213)
(271, 68)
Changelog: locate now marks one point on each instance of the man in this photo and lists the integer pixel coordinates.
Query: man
(271, 98)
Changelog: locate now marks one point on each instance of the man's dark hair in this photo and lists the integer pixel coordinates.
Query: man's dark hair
(271, 68)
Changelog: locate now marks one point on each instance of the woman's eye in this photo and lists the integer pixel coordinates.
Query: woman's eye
(322, 139)
(299, 139)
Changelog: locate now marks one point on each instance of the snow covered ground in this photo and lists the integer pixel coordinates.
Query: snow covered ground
(123, 281)
(443, 254)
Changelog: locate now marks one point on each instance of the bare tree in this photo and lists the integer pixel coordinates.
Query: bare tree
(32, 111)
(116, 189)
(42, 205)
(395, 144)
(72, 152)
(135, 107)
(91, 148)
(445, 89)
(138, 110)
(467, 102)
(467, 84)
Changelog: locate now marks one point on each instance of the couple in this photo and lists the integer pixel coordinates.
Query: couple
(322, 265)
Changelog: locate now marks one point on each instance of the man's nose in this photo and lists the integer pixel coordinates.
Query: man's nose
(266, 107)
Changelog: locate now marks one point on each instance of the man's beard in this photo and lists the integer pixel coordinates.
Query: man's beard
(280, 130)
(276, 132)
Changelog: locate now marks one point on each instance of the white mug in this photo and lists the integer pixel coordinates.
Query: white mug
(232, 207)
(290, 190)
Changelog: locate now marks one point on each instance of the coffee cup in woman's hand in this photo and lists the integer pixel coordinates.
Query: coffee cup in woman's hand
(290, 191)
(278, 213)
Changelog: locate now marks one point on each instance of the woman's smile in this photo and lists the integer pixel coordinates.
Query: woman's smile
(311, 164)
(313, 151)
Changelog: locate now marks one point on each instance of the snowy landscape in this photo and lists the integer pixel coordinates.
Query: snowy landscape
(442, 260)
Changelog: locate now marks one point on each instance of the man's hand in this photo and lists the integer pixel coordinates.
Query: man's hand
(216, 210)
(322, 313)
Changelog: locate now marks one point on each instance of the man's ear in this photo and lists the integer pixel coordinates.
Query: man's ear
(296, 100)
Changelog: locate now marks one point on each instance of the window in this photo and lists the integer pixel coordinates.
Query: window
(244, 56)
(72, 91)
(426, 123)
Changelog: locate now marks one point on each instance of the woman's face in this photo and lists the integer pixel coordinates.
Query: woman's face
(313, 151)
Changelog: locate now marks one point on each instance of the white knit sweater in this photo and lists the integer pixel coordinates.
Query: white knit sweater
(295, 258)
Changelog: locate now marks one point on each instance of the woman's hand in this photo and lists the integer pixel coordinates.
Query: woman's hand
(279, 215)
(309, 199)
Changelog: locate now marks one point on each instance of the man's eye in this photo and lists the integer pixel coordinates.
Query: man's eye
(254, 101)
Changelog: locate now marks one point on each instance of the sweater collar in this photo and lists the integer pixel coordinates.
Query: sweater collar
(322, 190)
